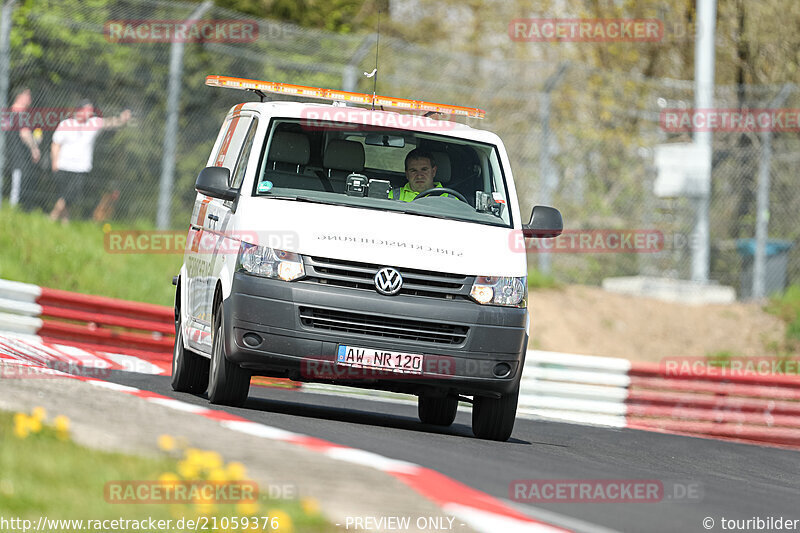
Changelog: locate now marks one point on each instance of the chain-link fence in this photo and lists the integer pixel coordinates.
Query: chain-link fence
(580, 138)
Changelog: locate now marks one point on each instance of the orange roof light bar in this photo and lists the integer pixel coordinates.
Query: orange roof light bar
(342, 96)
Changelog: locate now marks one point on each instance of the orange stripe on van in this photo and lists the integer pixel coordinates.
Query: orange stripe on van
(226, 143)
(201, 213)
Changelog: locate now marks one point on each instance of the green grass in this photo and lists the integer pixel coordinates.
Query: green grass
(44, 476)
(721, 358)
(787, 307)
(537, 280)
(74, 257)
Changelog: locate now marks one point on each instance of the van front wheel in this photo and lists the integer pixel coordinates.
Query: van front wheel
(493, 418)
(228, 383)
(437, 411)
(189, 370)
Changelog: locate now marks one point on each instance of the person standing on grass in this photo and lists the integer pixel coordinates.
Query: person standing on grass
(23, 150)
(71, 153)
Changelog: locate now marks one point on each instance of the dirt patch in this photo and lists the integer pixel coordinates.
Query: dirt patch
(588, 320)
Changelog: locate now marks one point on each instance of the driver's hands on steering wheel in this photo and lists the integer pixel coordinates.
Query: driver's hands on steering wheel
(438, 191)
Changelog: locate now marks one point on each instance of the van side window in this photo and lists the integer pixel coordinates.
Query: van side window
(241, 165)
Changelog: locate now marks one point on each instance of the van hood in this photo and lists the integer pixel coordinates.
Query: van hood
(383, 237)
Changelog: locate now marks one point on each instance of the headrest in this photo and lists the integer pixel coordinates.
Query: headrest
(344, 155)
(442, 166)
(288, 147)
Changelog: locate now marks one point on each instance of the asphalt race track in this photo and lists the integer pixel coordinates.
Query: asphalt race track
(725, 480)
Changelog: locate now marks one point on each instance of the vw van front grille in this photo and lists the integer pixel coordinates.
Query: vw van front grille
(387, 327)
(359, 275)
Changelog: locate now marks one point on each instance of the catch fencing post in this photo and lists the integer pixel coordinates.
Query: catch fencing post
(171, 127)
(762, 203)
(704, 100)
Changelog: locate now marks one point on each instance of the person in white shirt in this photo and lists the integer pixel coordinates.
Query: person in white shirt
(71, 153)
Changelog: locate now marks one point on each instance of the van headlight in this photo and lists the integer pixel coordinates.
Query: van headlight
(269, 263)
(497, 290)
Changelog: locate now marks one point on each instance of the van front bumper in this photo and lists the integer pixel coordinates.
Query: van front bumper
(272, 328)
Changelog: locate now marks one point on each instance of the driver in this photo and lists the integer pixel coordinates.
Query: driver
(420, 171)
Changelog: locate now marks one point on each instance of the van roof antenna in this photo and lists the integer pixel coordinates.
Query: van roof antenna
(374, 73)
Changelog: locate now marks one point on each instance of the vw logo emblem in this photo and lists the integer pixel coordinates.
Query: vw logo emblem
(388, 281)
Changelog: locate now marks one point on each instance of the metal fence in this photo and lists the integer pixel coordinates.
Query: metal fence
(580, 138)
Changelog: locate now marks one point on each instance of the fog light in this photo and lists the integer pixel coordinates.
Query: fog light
(501, 370)
(251, 339)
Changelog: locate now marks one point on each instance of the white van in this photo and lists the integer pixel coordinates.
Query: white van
(310, 256)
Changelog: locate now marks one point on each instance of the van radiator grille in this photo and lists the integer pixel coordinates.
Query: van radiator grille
(361, 276)
(387, 327)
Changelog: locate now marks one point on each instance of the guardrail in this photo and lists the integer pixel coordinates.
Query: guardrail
(576, 388)
(615, 392)
(94, 321)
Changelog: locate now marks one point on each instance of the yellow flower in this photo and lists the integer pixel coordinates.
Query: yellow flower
(217, 474)
(169, 479)
(61, 423)
(211, 460)
(166, 443)
(193, 455)
(21, 429)
(39, 413)
(34, 424)
(246, 508)
(284, 522)
(310, 505)
(236, 471)
(188, 469)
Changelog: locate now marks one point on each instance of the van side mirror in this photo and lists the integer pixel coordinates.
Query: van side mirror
(213, 182)
(545, 223)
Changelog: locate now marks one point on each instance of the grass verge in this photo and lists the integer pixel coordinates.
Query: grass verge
(74, 257)
(43, 473)
(786, 306)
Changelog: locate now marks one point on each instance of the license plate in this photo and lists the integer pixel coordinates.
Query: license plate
(357, 356)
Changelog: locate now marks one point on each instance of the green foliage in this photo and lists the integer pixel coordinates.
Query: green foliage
(340, 16)
(787, 307)
(538, 280)
(75, 258)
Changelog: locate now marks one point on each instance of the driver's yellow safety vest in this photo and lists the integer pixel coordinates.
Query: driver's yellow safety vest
(407, 194)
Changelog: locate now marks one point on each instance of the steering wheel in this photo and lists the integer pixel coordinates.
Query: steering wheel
(438, 191)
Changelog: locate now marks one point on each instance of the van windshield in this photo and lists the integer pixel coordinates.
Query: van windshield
(383, 168)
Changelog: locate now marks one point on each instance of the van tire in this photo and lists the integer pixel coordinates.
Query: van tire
(493, 418)
(228, 383)
(189, 370)
(437, 411)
